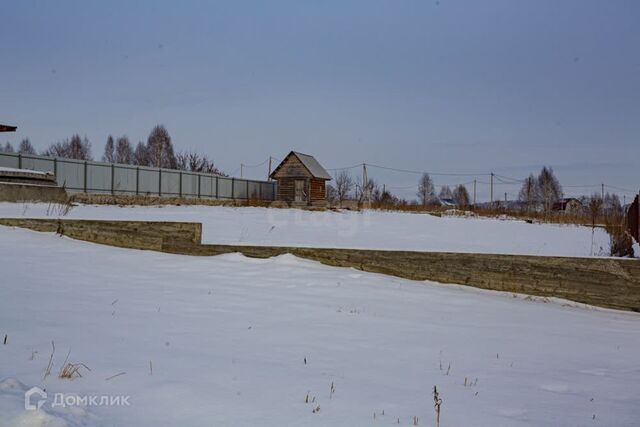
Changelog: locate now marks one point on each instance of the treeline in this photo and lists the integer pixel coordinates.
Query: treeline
(346, 188)
(25, 147)
(541, 193)
(158, 151)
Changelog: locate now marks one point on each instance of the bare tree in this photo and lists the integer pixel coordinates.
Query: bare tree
(387, 199)
(445, 192)
(80, 148)
(426, 191)
(529, 193)
(192, 161)
(210, 167)
(109, 151)
(612, 206)
(549, 188)
(160, 151)
(124, 151)
(461, 196)
(331, 193)
(140, 156)
(75, 148)
(344, 185)
(595, 208)
(375, 192)
(26, 147)
(8, 148)
(197, 163)
(367, 189)
(182, 161)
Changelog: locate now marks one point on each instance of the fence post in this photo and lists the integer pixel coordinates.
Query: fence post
(247, 190)
(137, 180)
(84, 186)
(199, 180)
(217, 194)
(19, 161)
(113, 170)
(260, 191)
(233, 188)
(55, 168)
(159, 182)
(180, 184)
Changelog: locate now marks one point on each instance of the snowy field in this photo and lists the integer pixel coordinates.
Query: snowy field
(368, 229)
(222, 341)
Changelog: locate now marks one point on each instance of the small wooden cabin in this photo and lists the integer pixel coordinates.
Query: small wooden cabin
(301, 180)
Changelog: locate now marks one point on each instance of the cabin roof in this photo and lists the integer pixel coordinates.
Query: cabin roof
(309, 162)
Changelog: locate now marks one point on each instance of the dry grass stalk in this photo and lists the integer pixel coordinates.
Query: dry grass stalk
(47, 371)
(437, 401)
(70, 370)
(60, 208)
(114, 376)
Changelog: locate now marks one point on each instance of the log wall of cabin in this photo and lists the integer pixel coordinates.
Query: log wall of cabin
(286, 189)
(318, 191)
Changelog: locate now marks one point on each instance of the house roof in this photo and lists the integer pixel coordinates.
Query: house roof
(6, 128)
(563, 203)
(309, 162)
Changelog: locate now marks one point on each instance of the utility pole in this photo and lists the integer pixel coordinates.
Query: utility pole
(474, 194)
(269, 174)
(602, 191)
(492, 188)
(241, 169)
(505, 198)
(365, 181)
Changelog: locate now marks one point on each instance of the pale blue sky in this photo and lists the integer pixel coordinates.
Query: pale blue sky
(451, 86)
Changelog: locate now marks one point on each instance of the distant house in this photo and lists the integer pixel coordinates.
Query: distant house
(447, 202)
(301, 180)
(568, 205)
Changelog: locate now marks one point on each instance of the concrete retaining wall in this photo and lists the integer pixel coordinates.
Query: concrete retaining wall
(152, 235)
(23, 192)
(604, 282)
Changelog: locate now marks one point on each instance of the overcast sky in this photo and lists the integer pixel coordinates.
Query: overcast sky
(444, 86)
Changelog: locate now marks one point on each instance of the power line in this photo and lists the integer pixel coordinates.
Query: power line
(621, 189)
(581, 186)
(423, 172)
(256, 166)
(504, 179)
(346, 168)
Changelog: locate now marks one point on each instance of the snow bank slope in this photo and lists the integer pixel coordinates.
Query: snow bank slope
(227, 338)
(371, 229)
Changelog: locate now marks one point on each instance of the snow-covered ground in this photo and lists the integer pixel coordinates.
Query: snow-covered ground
(368, 229)
(222, 341)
